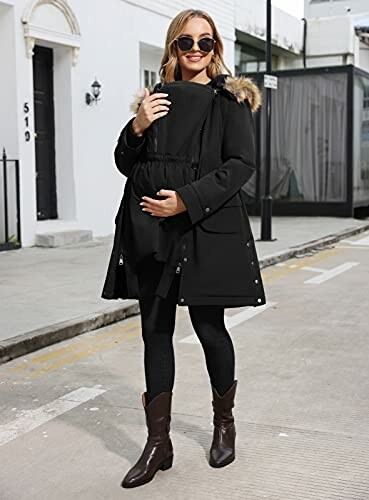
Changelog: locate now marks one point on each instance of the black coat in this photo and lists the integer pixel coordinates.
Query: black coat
(211, 245)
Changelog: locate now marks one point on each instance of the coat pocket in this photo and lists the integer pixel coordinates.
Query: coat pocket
(225, 220)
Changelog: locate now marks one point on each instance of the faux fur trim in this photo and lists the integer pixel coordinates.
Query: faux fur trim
(241, 87)
(244, 87)
(138, 98)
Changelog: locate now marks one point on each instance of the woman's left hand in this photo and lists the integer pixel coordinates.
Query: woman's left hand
(172, 205)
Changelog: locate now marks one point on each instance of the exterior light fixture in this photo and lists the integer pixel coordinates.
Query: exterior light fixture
(96, 91)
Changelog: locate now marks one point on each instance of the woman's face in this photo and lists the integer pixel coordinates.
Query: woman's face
(195, 61)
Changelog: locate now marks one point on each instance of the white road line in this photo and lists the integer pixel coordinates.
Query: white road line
(231, 321)
(331, 273)
(27, 420)
(362, 241)
(356, 247)
(315, 269)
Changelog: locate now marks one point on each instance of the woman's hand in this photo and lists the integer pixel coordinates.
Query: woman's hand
(172, 205)
(152, 107)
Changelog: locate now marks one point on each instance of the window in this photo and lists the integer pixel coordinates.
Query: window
(250, 60)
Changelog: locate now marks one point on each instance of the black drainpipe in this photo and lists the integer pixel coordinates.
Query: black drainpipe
(304, 42)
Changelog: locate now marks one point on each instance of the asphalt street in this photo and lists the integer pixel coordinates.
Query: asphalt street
(72, 423)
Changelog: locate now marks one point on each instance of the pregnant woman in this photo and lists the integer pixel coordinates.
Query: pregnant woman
(182, 231)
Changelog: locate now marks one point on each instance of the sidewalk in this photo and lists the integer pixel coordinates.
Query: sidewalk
(50, 294)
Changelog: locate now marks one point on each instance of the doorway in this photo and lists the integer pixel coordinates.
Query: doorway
(44, 115)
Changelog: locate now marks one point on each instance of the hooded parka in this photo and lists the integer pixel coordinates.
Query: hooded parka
(204, 149)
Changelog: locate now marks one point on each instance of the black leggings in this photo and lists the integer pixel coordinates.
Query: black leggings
(158, 322)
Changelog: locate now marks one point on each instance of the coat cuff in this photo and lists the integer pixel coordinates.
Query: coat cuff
(192, 203)
(130, 138)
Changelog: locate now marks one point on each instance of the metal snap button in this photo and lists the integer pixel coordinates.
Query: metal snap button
(182, 299)
(185, 259)
(207, 209)
(259, 300)
(256, 281)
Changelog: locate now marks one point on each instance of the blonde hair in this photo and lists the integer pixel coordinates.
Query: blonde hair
(169, 68)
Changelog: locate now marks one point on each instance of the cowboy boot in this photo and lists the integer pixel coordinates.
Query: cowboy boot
(158, 451)
(222, 450)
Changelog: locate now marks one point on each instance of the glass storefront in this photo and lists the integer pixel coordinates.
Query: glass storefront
(361, 138)
(319, 141)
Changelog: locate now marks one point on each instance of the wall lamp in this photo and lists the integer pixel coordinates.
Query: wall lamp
(96, 91)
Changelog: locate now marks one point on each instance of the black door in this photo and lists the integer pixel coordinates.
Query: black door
(45, 133)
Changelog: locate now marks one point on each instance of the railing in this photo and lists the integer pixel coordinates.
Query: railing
(10, 204)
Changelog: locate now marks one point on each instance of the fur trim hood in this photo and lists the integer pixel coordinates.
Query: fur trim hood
(239, 87)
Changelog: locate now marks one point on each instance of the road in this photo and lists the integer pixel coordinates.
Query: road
(71, 421)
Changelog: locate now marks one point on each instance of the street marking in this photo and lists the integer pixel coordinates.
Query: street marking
(28, 420)
(232, 321)
(270, 273)
(331, 273)
(362, 241)
(77, 345)
(356, 247)
(314, 269)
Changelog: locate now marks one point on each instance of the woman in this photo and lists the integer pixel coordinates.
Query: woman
(182, 231)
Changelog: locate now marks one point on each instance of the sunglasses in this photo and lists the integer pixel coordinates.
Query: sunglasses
(186, 43)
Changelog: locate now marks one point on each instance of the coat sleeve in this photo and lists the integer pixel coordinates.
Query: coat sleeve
(128, 148)
(204, 195)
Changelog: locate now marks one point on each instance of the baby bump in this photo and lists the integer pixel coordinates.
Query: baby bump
(152, 175)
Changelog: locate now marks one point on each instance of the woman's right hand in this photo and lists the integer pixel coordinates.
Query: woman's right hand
(152, 107)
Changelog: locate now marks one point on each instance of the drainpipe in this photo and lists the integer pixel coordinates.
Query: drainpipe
(304, 42)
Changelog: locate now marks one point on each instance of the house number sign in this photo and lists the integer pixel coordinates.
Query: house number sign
(27, 133)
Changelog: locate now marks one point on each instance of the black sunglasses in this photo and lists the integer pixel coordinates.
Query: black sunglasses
(186, 42)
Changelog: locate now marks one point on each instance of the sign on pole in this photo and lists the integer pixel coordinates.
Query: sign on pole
(270, 82)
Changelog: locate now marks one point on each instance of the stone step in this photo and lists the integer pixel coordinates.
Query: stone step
(63, 238)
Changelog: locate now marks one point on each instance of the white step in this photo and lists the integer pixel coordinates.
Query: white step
(63, 238)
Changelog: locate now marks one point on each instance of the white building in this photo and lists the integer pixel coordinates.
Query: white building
(324, 8)
(334, 34)
(50, 53)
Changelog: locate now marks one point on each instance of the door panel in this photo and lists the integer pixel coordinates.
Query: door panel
(45, 133)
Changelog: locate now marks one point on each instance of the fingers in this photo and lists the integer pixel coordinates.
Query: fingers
(151, 202)
(160, 208)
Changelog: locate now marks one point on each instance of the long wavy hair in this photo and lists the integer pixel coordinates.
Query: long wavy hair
(170, 68)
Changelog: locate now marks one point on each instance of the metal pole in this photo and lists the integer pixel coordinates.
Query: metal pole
(266, 218)
(18, 202)
(6, 226)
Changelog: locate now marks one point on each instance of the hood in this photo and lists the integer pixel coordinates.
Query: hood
(244, 88)
(239, 87)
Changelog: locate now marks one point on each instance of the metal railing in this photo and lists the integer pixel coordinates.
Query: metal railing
(9, 201)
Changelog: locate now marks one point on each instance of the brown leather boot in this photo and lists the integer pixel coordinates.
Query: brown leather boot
(222, 450)
(158, 451)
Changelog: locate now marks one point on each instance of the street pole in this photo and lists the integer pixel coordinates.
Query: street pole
(266, 209)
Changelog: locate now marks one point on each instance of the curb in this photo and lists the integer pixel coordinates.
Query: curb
(49, 335)
(305, 248)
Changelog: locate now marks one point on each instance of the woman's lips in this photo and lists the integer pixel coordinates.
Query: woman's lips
(194, 58)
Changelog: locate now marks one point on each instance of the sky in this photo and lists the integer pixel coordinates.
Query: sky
(294, 7)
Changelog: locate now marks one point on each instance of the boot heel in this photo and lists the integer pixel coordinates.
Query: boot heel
(167, 464)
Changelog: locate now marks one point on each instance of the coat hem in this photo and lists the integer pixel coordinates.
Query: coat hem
(222, 301)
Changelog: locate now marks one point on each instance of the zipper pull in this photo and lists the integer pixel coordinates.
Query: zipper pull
(178, 269)
(121, 259)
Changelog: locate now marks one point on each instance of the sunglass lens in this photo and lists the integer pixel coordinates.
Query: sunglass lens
(185, 43)
(206, 44)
